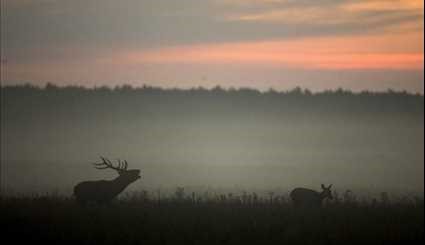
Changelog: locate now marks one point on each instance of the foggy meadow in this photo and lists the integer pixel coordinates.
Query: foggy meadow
(235, 139)
(217, 165)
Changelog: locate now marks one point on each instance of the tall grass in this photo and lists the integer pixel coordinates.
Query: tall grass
(227, 219)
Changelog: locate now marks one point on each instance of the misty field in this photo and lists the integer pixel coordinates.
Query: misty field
(227, 140)
(135, 219)
(368, 141)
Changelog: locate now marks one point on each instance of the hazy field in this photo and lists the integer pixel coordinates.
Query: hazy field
(235, 139)
(217, 144)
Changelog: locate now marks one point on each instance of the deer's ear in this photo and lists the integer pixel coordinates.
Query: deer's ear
(323, 186)
(330, 186)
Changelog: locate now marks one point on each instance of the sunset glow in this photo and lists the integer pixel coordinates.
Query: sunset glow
(379, 52)
(283, 42)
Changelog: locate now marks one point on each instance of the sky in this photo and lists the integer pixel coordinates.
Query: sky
(280, 44)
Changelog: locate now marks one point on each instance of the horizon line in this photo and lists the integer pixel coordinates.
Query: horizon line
(300, 89)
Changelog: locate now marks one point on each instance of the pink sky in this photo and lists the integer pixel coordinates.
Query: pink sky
(274, 60)
(385, 51)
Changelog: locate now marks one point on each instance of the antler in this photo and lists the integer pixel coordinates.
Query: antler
(122, 165)
(106, 163)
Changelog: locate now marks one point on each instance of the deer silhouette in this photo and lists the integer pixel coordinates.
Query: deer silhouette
(311, 198)
(103, 191)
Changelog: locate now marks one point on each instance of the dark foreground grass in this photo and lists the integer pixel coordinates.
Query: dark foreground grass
(51, 220)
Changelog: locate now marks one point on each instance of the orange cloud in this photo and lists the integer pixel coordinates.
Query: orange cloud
(339, 13)
(371, 5)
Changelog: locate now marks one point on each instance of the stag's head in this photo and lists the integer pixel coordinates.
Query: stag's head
(129, 175)
(326, 192)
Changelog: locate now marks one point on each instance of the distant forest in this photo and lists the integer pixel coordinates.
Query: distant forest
(241, 100)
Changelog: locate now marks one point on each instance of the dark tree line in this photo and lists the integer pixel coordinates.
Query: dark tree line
(217, 99)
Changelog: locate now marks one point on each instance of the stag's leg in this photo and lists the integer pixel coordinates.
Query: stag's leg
(297, 203)
(82, 202)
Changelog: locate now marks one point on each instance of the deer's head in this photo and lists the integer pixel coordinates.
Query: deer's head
(326, 192)
(128, 175)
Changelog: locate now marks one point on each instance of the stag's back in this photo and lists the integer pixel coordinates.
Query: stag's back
(305, 197)
(95, 191)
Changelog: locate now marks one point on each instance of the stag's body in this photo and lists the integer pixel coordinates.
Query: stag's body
(310, 198)
(103, 191)
(100, 191)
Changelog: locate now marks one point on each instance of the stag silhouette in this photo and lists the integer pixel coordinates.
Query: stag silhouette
(311, 198)
(103, 191)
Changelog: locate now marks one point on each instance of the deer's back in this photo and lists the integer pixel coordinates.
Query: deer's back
(304, 196)
(98, 191)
